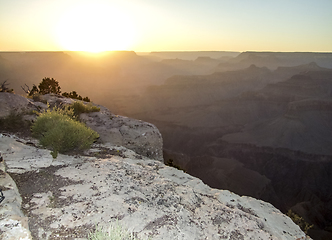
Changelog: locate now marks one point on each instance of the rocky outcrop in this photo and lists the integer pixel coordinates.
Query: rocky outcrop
(141, 137)
(10, 103)
(65, 198)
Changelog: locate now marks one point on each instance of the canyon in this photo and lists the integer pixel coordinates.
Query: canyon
(255, 123)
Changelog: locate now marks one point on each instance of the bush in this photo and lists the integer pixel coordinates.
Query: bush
(14, 122)
(79, 107)
(37, 98)
(299, 221)
(114, 232)
(59, 131)
(170, 163)
(47, 85)
(74, 95)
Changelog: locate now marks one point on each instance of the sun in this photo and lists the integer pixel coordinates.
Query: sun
(95, 28)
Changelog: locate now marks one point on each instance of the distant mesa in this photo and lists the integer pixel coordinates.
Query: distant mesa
(192, 55)
(206, 60)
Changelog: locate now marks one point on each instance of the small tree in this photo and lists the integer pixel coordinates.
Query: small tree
(49, 85)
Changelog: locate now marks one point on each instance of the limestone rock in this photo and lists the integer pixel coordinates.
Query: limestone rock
(13, 223)
(10, 102)
(141, 137)
(66, 198)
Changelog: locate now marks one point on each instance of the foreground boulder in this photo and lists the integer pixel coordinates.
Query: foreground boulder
(65, 198)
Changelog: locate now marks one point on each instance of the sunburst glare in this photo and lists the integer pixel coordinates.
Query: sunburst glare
(95, 28)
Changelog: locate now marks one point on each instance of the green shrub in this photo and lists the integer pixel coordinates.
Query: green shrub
(79, 107)
(299, 221)
(37, 97)
(14, 122)
(58, 131)
(114, 232)
(64, 110)
(170, 163)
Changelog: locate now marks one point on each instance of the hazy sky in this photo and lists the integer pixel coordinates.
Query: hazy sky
(165, 25)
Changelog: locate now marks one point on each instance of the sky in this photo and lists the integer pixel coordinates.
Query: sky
(166, 25)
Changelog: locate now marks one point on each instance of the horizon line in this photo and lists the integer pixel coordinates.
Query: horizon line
(157, 51)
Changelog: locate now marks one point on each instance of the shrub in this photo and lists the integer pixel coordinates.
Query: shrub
(86, 99)
(114, 232)
(37, 98)
(74, 95)
(170, 163)
(79, 107)
(14, 122)
(58, 131)
(47, 85)
(299, 221)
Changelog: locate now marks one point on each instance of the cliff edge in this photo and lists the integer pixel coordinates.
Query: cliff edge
(66, 197)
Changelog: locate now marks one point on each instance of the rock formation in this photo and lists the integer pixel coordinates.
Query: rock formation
(64, 198)
(142, 137)
(14, 103)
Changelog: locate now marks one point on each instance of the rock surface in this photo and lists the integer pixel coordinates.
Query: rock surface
(13, 223)
(141, 137)
(10, 102)
(66, 197)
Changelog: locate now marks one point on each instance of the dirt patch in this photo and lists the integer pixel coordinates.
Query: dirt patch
(43, 180)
